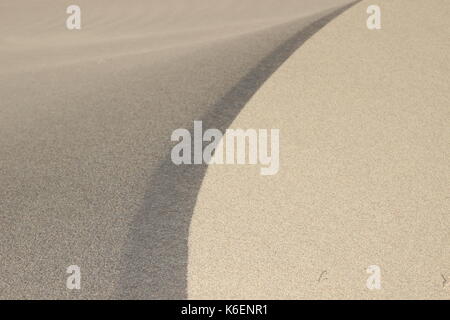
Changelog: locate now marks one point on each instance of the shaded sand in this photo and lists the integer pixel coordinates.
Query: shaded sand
(85, 124)
(365, 171)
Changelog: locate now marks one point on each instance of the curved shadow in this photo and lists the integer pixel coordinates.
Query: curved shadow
(155, 260)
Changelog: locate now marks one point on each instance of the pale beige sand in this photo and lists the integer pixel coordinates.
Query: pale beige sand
(365, 171)
(33, 33)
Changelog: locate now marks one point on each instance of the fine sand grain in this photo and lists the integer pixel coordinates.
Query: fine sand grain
(85, 123)
(364, 177)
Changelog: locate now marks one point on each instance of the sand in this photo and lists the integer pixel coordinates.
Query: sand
(85, 124)
(364, 176)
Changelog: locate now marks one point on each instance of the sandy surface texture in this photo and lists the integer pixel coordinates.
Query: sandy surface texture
(364, 176)
(86, 118)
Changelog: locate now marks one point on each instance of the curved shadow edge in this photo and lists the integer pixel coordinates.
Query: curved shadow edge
(155, 259)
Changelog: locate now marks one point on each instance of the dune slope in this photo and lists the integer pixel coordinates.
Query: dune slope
(85, 124)
(364, 170)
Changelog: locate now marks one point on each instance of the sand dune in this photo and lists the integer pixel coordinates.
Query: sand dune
(364, 176)
(85, 124)
(35, 34)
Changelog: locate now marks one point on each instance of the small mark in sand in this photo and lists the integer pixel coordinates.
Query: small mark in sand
(445, 283)
(322, 276)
